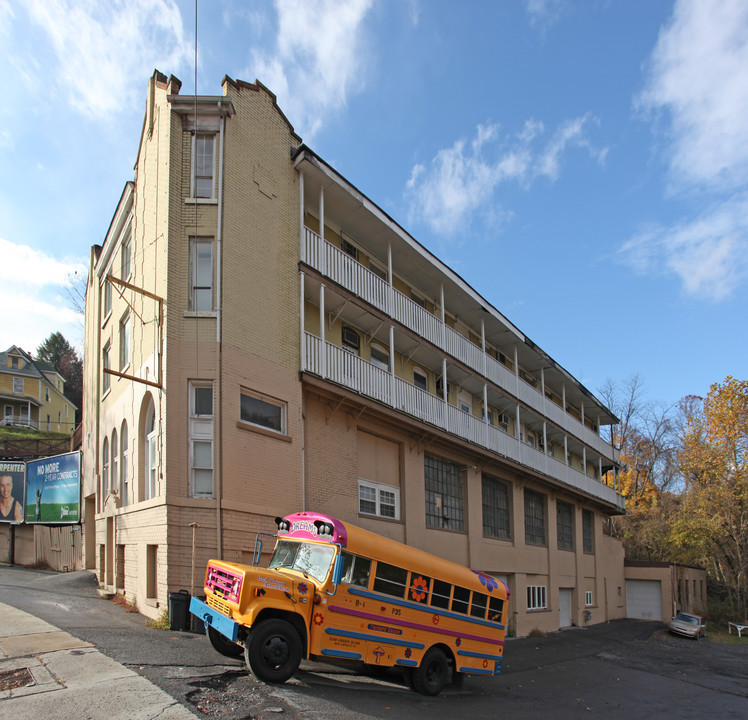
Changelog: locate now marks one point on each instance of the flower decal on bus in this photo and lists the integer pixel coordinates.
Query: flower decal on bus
(318, 618)
(419, 589)
(487, 581)
(302, 588)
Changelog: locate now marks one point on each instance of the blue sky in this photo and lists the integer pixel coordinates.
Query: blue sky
(582, 164)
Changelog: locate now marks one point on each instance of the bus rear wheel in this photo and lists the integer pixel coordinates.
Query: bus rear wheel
(431, 675)
(223, 645)
(273, 651)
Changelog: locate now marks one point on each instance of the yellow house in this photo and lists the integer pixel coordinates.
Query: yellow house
(262, 338)
(32, 394)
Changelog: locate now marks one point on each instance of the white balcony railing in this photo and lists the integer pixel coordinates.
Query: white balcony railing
(346, 369)
(352, 275)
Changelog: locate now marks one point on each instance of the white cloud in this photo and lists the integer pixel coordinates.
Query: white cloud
(544, 13)
(698, 77)
(697, 81)
(461, 180)
(104, 50)
(708, 254)
(318, 60)
(33, 283)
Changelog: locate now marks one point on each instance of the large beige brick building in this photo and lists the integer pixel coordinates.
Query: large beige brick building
(262, 338)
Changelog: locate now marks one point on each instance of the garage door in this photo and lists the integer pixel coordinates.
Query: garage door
(644, 599)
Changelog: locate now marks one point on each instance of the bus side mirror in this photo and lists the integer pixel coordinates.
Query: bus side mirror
(258, 552)
(337, 569)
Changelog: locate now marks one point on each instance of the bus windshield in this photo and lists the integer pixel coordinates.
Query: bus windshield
(309, 558)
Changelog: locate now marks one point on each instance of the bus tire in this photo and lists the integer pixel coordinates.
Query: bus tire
(273, 650)
(223, 645)
(431, 675)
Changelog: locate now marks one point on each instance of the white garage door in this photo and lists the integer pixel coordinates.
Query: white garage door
(644, 599)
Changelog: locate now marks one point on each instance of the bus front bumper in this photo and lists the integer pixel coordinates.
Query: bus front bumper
(224, 625)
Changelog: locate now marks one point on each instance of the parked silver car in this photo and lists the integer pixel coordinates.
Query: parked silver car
(692, 626)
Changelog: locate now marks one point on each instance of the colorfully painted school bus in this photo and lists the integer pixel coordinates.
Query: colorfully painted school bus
(334, 591)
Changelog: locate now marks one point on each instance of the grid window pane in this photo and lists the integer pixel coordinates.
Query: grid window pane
(565, 525)
(496, 515)
(534, 518)
(202, 275)
(367, 500)
(587, 531)
(444, 501)
(204, 165)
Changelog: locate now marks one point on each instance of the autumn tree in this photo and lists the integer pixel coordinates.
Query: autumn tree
(712, 525)
(59, 353)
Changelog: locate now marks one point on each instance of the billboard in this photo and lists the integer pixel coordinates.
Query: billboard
(53, 489)
(11, 491)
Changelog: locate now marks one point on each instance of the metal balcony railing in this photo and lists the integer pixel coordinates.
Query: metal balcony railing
(344, 368)
(352, 275)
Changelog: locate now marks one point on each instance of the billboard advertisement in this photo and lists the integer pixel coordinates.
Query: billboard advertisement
(53, 489)
(11, 491)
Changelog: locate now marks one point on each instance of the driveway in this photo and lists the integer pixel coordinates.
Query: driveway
(625, 668)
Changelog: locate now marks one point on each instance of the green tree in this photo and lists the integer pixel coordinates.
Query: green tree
(712, 526)
(59, 353)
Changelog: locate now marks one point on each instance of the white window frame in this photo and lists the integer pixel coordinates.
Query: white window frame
(378, 489)
(105, 468)
(424, 376)
(269, 401)
(114, 450)
(126, 256)
(107, 293)
(537, 597)
(382, 350)
(197, 139)
(18, 385)
(588, 598)
(106, 361)
(124, 455)
(124, 341)
(197, 279)
(201, 429)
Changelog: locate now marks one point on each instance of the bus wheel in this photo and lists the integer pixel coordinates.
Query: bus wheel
(223, 645)
(273, 651)
(431, 675)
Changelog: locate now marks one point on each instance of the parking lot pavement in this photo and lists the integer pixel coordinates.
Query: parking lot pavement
(620, 669)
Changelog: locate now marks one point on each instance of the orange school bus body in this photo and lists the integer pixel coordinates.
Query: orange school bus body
(379, 602)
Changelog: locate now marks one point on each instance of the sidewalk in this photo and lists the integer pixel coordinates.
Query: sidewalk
(45, 673)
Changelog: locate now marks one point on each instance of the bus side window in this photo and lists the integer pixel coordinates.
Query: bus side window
(440, 594)
(495, 609)
(478, 608)
(461, 600)
(418, 590)
(355, 570)
(390, 580)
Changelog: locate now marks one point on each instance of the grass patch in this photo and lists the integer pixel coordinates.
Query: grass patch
(124, 603)
(719, 634)
(8, 432)
(161, 622)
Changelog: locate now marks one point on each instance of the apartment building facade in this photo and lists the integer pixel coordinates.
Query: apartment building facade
(261, 338)
(33, 394)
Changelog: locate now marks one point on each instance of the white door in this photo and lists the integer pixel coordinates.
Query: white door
(644, 599)
(564, 607)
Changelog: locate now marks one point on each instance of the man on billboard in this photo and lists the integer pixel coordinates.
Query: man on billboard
(11, 510)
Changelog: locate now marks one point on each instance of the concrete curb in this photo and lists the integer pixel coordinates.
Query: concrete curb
(63, 677)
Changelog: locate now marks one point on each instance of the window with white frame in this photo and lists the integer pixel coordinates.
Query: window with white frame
(124, 469)
(420, 379)
(125, 253)
(18, 385)
(203, 166)
(201, 274)
(380, 356)
(588, 598)
(536, 597)
(124, 341)
(201, 438)
(378, 499)
(263, 411)
(105, 364)
(105, 468)
(46, 394)
(115, 459)
(149, 489)
(8, 414)
(107, 299)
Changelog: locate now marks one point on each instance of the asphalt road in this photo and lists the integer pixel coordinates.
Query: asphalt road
(620, 669)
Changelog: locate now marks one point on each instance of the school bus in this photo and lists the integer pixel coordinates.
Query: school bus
(336, 592)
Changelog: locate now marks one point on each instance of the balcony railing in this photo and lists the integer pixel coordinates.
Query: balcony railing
(349, 273)
(344, 368)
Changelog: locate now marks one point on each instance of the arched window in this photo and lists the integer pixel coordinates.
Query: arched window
(149, 468)
(105, 469)
(115, 459)
(124, 471)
